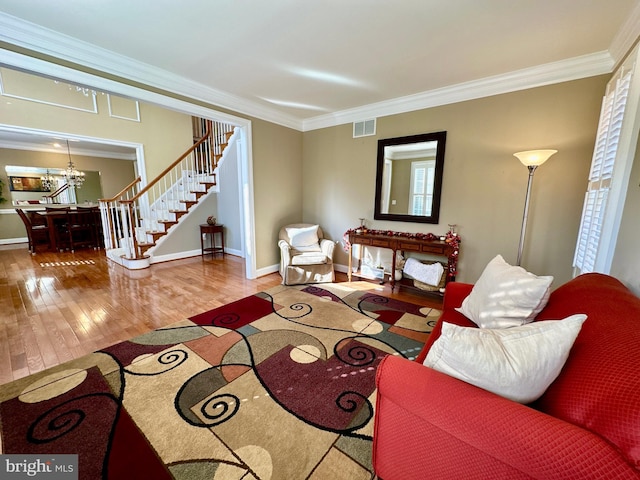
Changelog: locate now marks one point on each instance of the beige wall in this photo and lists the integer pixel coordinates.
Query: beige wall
(278, 189)
(484, 184)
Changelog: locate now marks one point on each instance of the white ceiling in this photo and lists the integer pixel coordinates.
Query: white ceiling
(307, 63)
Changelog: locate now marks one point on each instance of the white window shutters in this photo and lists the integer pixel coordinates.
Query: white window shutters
(610, 168)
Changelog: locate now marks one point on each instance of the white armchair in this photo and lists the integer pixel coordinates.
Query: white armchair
(305, 255)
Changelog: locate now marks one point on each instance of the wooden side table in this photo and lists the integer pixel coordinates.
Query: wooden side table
(211, 230)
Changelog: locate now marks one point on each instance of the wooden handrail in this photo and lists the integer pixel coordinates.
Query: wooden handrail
(58, 191)
(168, 169)
(121, 192)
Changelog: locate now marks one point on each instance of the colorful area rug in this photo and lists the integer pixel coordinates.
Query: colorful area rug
(278, 385)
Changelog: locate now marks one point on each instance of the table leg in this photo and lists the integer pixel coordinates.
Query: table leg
(51, 225)
(392, 280)
(349, 271)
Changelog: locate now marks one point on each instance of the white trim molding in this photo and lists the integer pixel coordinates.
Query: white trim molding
(14, 241)
(71, 136)
(90, 98)
(78, 151)
(121, 117)
(626, 38)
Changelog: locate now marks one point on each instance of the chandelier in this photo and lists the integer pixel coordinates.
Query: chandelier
(84, 90)
(48, 181)
(72, 176)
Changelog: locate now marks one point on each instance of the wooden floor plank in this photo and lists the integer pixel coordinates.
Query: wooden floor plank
(5, 354)
(52, 311)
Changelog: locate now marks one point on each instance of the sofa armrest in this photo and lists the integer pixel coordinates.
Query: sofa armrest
(285, 255)
(327, 247)
(454, 294)
(426, 421)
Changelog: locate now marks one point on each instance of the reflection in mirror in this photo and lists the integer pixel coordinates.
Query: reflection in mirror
(26, 186)
(409, 178)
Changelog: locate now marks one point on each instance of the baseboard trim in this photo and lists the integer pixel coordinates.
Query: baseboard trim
(174, 256)
(189, 254)
(341, 268)
(261, 272)
(8, 241)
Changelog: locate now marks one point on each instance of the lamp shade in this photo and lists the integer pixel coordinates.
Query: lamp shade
(534, 157)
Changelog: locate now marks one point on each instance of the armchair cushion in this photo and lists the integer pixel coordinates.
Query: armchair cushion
(312, 257)
(303, 237)
(308, 249)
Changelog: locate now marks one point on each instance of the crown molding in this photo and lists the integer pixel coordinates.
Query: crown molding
(27, 35)
(33, 37)
(547, 74)
(627, 37)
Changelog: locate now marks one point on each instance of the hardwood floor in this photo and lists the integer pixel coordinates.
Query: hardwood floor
(55, 307)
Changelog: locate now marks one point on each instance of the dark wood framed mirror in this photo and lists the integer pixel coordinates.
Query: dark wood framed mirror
(409, 178)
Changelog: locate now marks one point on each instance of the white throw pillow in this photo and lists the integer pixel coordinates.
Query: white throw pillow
(303, 237)
(506, 296)
(518, 363)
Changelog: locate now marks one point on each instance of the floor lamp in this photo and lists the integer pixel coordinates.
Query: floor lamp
(531, 159)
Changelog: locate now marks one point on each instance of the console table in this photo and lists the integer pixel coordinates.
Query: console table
(403, 242)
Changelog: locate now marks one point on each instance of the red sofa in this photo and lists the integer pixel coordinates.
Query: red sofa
(586, 425)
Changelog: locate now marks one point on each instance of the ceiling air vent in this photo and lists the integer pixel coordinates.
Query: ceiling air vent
(364, 128)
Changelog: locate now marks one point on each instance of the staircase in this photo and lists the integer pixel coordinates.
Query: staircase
(137, 218)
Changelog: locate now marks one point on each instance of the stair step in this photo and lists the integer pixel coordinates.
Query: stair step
(208, 185)
(167, 224)
(146, 245)
(156, 235)
(188, 203)
(178, 213)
